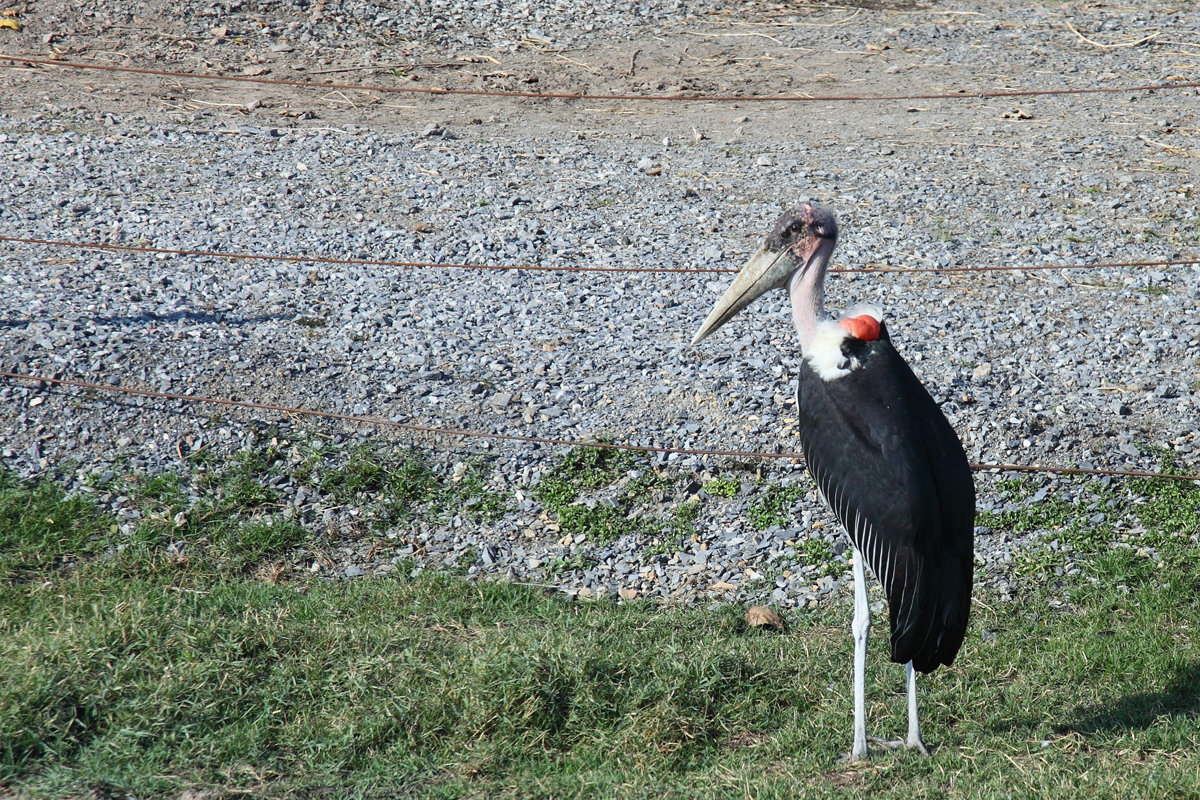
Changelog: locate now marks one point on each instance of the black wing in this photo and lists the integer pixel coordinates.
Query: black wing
(896, 476)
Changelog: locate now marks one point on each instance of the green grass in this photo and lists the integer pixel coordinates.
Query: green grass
(127, 670)
(41, 531)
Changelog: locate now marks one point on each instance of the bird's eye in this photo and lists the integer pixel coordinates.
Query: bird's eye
(796, 227)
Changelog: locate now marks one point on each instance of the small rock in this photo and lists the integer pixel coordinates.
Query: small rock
(763, 617)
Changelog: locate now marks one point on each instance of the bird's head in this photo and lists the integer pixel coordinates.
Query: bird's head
(802, 239)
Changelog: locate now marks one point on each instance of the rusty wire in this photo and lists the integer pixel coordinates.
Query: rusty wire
(454, 432)
(959, 95)
(551, 268)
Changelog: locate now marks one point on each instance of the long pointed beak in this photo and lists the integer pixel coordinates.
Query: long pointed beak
(766, 270)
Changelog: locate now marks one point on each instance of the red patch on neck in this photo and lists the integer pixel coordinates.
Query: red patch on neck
(864, 327)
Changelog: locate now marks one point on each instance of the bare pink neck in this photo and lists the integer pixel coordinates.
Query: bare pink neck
(807, 291)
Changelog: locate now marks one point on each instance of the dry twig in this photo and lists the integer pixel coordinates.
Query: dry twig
(1103, 46)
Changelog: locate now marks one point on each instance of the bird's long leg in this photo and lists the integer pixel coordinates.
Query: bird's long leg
(913, 741)
(914, 727)
(861, 628)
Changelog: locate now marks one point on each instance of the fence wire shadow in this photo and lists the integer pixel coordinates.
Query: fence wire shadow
(962, 94)
(129, 320)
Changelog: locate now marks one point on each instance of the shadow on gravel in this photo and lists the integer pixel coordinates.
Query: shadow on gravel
(202, 317)
(885, 5)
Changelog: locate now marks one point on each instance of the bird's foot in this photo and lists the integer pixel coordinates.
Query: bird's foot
(858, 753)
(846, 759)
(912, 743)
(862, 752)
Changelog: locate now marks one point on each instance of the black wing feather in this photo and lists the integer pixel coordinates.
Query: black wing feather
(896, 476)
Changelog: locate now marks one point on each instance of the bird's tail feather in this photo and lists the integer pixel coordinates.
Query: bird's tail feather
(932, 636)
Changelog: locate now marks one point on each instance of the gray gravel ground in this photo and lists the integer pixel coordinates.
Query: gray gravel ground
(1064, 368)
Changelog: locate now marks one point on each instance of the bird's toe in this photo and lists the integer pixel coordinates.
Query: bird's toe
(887, 744)
(900, 744)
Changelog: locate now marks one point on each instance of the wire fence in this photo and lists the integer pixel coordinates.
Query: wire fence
(962, 94)
(277, 408)
(371, 262)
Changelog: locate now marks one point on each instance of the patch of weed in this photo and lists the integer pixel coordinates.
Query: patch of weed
(601, 523)
(592, 467)
(815, 550)
(392, 483)
(244, 486)
(647, 487)
(310, 322)
(395, 485)
(468, 494)
(606, 519)
(661, 546)
(166, 488)
(578, 561)
(684, 517)
(723, 487)
(774, 506)
(1168, 507)
(253, 542)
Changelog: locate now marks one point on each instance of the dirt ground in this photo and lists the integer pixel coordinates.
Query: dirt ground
(744, 49)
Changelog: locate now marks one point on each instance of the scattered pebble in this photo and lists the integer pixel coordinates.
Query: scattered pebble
(1047, 367)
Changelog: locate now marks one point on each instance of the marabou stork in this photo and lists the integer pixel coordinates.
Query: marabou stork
(882, 454)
